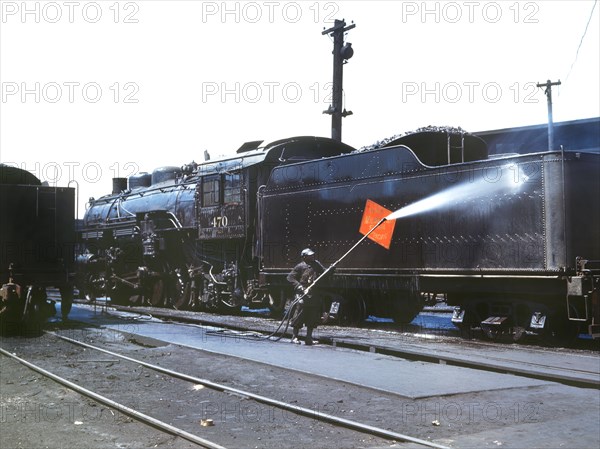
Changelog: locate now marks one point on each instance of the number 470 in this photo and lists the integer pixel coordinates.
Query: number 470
(219, 222)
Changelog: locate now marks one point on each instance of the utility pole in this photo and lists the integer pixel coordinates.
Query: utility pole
(341, 54)
(548, 85)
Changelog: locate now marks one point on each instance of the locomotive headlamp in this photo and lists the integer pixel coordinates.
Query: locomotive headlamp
(347, 51)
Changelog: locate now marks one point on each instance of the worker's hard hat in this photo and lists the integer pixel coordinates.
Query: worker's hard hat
(307, 252)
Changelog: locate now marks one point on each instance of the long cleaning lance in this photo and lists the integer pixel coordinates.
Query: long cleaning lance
(333, 265)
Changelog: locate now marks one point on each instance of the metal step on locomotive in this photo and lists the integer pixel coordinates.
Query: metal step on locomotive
(511, 240)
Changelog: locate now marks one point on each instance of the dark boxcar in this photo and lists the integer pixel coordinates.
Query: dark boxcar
(504, 238)
(37, 239)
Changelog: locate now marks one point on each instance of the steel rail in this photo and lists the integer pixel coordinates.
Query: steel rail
(413, 354)
(493, 365)
(117, 406)
(354, 425)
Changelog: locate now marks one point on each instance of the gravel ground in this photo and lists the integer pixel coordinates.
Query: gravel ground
(37, 413)
(35, 409)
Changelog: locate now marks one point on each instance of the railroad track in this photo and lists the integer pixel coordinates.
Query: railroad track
(567, 375)
(168, 375)
(424, 325)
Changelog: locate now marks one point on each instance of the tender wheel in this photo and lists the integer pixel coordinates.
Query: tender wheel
(492, 334)
(353, 311)
(521, 318)
(472, 319)
(406, 308)
(66, 300)
(276, 302)
(560, 330)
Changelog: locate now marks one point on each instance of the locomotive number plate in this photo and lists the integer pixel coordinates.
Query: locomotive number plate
(219, 222)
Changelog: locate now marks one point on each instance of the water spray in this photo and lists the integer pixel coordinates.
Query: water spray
(482, 188)
(444, 199)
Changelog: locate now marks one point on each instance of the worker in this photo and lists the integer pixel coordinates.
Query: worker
(307, 310)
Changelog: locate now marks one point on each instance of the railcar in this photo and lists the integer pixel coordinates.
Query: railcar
(37, 239)
(510, 240)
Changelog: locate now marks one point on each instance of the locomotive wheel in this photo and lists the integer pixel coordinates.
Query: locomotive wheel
(11, 308)
(37, 309)
(180, 297)
(226, 307)
(195, 303)
(86, 290)
(157, 293)
(185, 301)
(136, 300)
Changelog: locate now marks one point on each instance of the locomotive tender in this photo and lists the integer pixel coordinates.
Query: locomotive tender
(510, 239)
(37, 239)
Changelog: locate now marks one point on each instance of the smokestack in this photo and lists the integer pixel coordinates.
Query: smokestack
(119, 185)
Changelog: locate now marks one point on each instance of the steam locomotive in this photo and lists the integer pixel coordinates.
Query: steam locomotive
(510, 240)
(37, 248)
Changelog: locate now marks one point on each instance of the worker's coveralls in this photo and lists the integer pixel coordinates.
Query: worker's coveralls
(308, 312)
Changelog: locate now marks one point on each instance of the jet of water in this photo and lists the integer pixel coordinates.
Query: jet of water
(481, 188)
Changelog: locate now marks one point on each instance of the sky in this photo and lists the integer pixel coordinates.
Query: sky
(95, 90)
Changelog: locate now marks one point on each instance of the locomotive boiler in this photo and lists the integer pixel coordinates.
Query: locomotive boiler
(37, 239)
(510, 240)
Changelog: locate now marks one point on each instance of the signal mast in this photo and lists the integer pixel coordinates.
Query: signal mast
(341, 54)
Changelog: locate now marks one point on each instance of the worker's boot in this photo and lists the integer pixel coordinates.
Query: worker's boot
(295, 332)
(309, 340)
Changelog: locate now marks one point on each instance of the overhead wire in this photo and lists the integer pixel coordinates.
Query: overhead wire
(582, 38)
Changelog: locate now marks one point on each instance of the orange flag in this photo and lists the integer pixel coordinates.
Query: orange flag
(371, 216)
